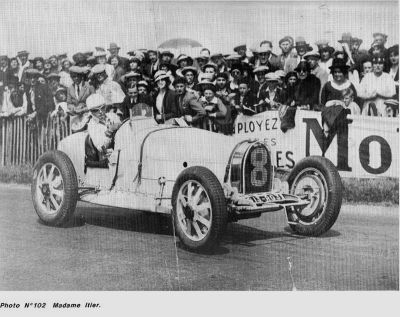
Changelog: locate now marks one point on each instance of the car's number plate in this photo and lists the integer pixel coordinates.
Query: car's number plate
(266, 198)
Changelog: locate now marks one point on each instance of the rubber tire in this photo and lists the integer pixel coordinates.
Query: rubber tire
(335, 194)
(65, 214)
(218, 204)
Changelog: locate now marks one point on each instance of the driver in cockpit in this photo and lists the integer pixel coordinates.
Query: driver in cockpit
(102, 126)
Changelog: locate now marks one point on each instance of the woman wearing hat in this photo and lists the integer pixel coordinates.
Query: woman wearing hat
(102, 60)
(182, 62)
(332, 90)
(119, 70)
(164, 106)
(218, 114)
(65, 77)
(393, 53)
(377, 87)
(308, 88)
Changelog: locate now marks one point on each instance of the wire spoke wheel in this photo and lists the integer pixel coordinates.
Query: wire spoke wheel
(54, 188)
(316, 180)
(194, 210)
(199, 209)
(50, 188)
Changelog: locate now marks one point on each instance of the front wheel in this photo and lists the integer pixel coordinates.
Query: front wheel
(199, 208)
(317, 180)
(54, 188)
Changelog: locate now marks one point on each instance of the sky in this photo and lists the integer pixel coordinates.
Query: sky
(44, 27)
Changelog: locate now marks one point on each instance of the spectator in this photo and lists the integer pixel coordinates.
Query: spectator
(272, 95)
(133, 105)
(129, 79)
(307, 88)
(65, 77)
(55, 68)
(209, 72)
(182, 62)
(143, 88)
(230, 60)
(263, 58)
(376, 87)
(326, 54)
(202, 59)
(188, 104)
(102, 60)
(166, 58)
(333, 89)
(190, 74)
(77, 93)
(53, 80)
(38, 63)
(60, 101)
(241, 50)
(80, 59)
(119, 70)
(23, 62)
(46, 68)
(288, 57)
(236, 76)
(104, 86)
(165, 107)
(13, 70)
(39, 99)
(215, 109)
(218, 59)
(393, 53)
(3, 75)
(261, 84)
(244, 102)
(312, 58)
(152, 67)
(134, 64)
(366, 67)
(222, 90)
(114, 52)
(14, 101)
(302, 47)
(288, 95)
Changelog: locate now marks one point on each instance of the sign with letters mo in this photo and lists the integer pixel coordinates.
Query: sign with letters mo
(365, 147)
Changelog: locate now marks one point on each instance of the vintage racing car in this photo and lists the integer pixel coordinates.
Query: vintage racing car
(204, 179)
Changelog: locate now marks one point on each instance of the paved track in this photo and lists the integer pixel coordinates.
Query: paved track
(117, 249)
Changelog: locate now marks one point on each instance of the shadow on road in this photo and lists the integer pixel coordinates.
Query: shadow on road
(140, 221)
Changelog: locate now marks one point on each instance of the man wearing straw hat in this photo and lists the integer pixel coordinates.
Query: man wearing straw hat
(114, 52)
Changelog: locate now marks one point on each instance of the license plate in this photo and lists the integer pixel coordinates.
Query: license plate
(266, 198)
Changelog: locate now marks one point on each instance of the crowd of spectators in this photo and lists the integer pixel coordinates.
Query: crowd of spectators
(208, 87)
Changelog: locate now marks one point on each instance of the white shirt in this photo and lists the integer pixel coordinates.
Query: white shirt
(371, 85)
(159, 101)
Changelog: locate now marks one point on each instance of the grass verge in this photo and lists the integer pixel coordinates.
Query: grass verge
(379, 190)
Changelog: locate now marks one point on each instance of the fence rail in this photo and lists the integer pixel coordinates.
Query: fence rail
(23, 143)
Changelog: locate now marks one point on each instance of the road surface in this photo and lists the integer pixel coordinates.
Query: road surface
(117, 249)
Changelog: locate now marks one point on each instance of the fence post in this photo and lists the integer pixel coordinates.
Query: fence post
(3, 142)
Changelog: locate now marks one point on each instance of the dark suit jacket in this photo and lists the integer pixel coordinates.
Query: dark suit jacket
(169, 107)
(44, 101)
(73, 100)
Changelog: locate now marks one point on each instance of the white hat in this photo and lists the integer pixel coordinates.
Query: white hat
(280, 73)
(100, 53)
(95, 101)
(314, 52)
(271, 77)
(160, 75)
(261, 68)
(262, 49)
(98, 68)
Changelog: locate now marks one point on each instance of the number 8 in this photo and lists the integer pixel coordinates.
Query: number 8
(259, 157)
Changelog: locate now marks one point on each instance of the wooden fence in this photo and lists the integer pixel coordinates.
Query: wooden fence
(23, 142)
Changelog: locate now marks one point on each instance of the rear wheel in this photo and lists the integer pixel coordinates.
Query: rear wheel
(317, 180)
(199, 208)
(54, 188)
